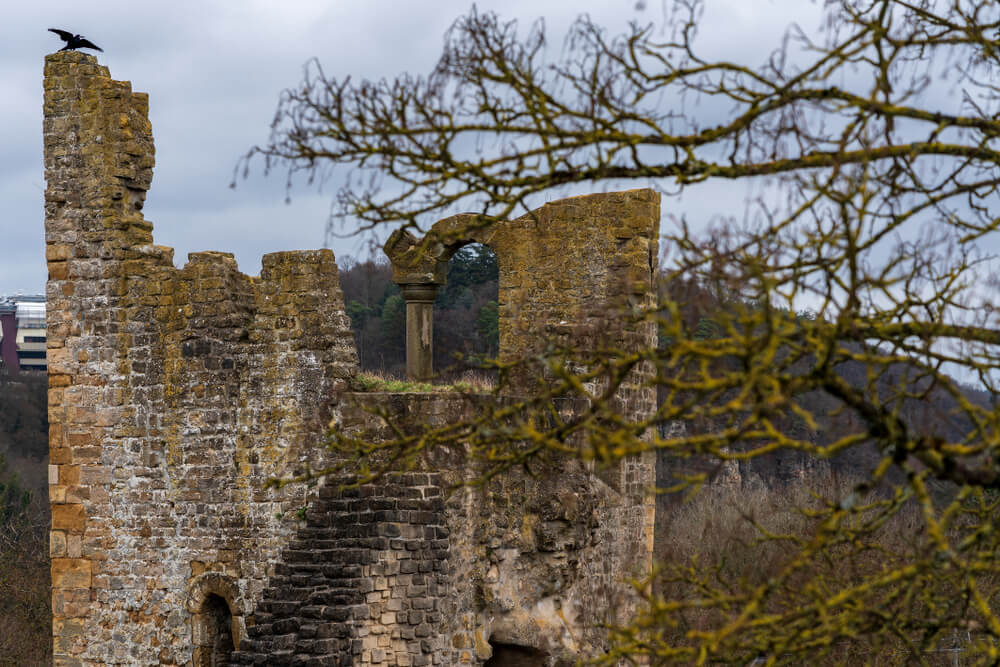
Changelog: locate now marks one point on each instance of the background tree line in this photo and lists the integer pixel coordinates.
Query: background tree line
(25, 595)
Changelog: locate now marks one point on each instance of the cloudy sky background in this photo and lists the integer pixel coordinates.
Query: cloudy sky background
(214, 70)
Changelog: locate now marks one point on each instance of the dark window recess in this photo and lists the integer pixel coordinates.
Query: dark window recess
(34, 339)
(31, 354)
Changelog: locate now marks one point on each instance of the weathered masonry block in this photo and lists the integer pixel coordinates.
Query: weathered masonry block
(175, 394)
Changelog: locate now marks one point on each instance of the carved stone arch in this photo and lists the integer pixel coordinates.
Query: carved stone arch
(425, 261)
(574, 269)
(420, 268)
(218, 624)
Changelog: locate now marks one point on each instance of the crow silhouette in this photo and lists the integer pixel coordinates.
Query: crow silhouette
(75, 41)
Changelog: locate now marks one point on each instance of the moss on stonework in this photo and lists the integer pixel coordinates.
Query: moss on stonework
(375, 382)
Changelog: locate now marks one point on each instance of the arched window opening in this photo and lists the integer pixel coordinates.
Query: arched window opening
(466, 314)
(213, 633)
(513, 655)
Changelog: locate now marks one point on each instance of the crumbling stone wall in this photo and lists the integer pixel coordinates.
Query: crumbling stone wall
(418, 569)
(174, 394)
(578, 272)
(364, 582)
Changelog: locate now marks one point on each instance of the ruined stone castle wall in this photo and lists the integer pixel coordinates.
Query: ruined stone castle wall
(535, 561)
(577, 273)
(576, 269)
(174, 394)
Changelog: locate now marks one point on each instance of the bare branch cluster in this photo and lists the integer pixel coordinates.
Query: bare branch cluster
(883, 135)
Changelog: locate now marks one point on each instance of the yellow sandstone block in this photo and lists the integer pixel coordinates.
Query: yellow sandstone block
(71, 573)
(58, 251)
(71, 518)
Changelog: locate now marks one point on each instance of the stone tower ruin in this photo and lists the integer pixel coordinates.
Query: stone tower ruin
(175, 394)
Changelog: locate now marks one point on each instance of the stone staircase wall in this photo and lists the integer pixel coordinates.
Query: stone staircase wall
(361, 583)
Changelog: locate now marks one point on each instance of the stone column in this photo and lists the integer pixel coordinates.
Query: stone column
(419, 330)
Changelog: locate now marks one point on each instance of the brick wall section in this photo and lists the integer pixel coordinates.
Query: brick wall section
(174, 394)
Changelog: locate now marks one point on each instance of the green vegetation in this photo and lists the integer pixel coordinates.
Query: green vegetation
(14, 498)
(741, 536)
(25, 611)
(25, 596)
(24, 424)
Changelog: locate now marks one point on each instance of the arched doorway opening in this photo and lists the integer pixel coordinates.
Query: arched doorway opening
(513, 655)
(217, 624)
(421, 268)
(466, 314)
(217, 634)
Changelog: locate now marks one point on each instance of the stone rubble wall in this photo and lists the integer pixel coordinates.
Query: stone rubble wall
(536, 560)
(576, 273)
(174, 394)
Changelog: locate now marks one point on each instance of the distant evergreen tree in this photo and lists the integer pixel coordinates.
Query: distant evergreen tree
(471, 266)
(466, 324)
(488, 324)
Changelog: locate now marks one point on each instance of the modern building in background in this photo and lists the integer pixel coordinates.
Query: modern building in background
(22, 333)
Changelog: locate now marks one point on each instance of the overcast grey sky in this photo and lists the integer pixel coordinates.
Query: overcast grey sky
(213, 71)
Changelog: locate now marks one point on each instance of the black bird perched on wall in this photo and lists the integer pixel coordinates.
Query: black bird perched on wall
(75, 41)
